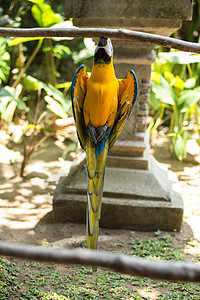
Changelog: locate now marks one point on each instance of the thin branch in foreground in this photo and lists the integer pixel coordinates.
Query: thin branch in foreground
(117, 262)
(122, 34)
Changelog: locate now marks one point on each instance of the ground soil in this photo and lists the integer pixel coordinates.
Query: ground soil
(26, 204)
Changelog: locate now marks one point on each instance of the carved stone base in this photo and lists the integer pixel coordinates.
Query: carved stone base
(133, 199)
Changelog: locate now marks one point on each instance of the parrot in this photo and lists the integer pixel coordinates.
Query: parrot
(101, 105)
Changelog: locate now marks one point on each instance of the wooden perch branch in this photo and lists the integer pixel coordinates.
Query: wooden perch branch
(117, 262)
(123, 34)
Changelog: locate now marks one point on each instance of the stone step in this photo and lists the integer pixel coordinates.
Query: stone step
(128, 148)
(127, 162)
(123, 213)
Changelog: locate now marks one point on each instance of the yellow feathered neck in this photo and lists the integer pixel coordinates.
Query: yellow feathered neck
(103, 72)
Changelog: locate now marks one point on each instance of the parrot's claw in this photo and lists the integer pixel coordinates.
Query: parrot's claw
(101, 132)
(92, 133)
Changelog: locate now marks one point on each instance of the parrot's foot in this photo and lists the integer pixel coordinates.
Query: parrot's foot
(96, 134)
(92, 133)
(101, 132)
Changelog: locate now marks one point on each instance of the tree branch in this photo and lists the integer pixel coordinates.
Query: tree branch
(116, 262)
(123, 34)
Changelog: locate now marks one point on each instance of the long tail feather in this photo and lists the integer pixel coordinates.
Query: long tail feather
(95, 170)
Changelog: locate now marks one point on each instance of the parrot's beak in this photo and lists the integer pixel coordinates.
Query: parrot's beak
(104, 50)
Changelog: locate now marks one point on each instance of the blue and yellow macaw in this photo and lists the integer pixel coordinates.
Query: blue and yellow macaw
(101, 105)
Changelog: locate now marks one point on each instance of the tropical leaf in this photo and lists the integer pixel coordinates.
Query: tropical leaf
(37, 14)
(55, 107)
(66, 85)
(9, 112)
(31, 83)
(179, 57)
(164, 91)
(17, 41)
(178, 83)
(44, 15)
(4, 62)
(187, 99)
(9, 100)
(179, 143)
(9, 94)
(154, 102)
(190, 83)
(57, 95)
(49, 18)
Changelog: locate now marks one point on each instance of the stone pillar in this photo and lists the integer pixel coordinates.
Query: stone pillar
(133, 178)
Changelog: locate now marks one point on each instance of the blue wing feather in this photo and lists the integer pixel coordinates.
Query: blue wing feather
(78, 114)
(74, 81)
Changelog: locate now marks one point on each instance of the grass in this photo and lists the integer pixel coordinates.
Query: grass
(31, 280)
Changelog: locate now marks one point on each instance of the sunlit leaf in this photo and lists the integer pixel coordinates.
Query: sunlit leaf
(18, 90)
(38, 2)
(155, 76)
(178, 83)
(154, 102)
(57, 95)
(44, 15)
(169, 76)
(55, 107)
(4, 62)
(66, 85)
(17, 41)
(179, 143)
(9, 112)
(49, 18)
(32, 84)
(164, 91)
(179, 57)
(9, 94)
(37, 15)
(9, 101)
(190, 83)
(20, 104)
(59, 50)
(161, 65)
(187, 99)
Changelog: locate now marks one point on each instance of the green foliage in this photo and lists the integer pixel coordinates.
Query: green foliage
(86, 52)
(10, 101)
(4, 61)
(34, 102)
(56, 102)
(175, 95)
(44, 14)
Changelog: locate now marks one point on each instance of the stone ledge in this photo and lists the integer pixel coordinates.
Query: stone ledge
(129, 9)
(124, 214)
(129, 148)
(140, 163)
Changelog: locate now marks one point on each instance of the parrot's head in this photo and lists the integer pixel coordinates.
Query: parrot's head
(103, 51)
